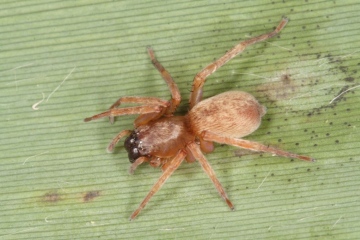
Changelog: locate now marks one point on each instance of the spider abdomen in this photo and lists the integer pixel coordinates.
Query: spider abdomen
(232, 114)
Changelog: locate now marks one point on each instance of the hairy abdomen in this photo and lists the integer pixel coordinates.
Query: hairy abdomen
(232, 114)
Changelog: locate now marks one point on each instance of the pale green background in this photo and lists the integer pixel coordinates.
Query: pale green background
(50, 158)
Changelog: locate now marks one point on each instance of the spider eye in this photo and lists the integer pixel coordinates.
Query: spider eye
(131, 145)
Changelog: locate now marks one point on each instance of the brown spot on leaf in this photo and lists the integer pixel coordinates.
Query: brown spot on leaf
(349, 79)
(91, 195)
(51, 197)
(285, 78)
(283, 87)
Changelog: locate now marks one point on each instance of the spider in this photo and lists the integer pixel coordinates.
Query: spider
(165, 140)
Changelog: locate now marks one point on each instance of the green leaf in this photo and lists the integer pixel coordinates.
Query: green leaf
(64, 61)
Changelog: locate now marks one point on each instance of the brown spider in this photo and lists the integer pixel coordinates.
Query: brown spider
(165, 140)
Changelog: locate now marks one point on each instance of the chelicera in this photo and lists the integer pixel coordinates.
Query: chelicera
(165, 140)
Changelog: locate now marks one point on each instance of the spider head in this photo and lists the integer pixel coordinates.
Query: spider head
(131, 144)
(134, 146)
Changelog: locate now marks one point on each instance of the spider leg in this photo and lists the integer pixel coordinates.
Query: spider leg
(145, 118)
(175, 163)
(190, 157)
(194, 148)
(205, 146)
(137, 163)
(126, 111)
(138, 100)
(175, 93)
(116, 139)
(200, 78)
(254, 146)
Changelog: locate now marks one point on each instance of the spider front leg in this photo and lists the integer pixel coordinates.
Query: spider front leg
(200, 78)
(145, 101)
(126, 111)
(254, 146)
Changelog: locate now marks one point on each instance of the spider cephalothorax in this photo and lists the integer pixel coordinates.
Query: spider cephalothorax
(165, 140)
(161, 138)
